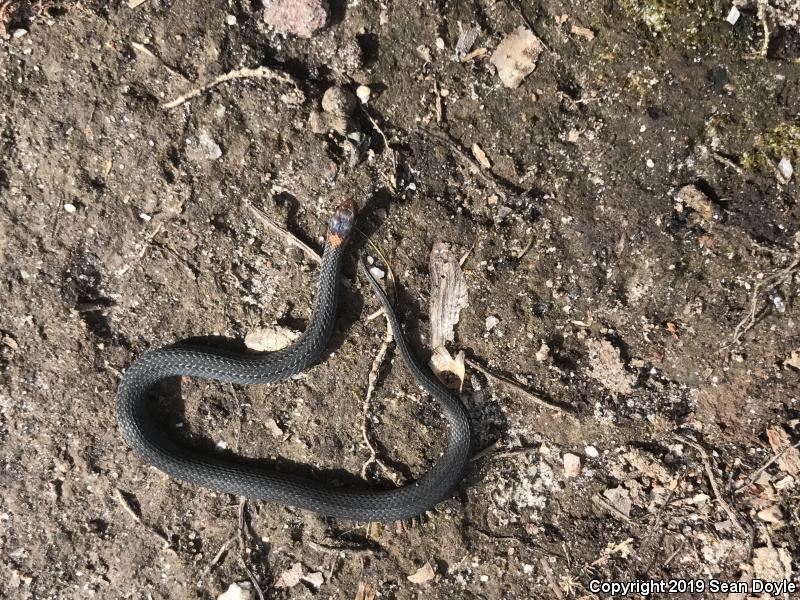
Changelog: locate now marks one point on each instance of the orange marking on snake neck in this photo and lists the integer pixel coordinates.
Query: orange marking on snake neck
(334, 240)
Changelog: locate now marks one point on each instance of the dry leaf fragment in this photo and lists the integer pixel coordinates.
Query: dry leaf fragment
(515, 57)
(237, 591)
(365, 591)
(789, 459)
(274, 428)
(673, 329)
(620, 499)
(447, 368)
(481, 157)
(315, 580)
(793, 360)
(424, 574)
(448, 293)
(647, 467)
(572, 465)
(772, 564)
(467, 39)
(583, 32)
(697, 201)
(290, 577)
(270, 339)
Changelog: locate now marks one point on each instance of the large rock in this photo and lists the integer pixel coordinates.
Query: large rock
(302, 18)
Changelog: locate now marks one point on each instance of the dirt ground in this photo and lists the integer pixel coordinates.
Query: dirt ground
(650, 329)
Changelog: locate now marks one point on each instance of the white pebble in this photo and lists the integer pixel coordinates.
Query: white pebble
(440, 43)
(650, 163)
(70, 208)
(18, 33)
(363, 92)
(491, 322)
(230, 20)
(484, 578)
(786, 169)
(377, 273)
(591, 452)
(144, 217)
(733, 15)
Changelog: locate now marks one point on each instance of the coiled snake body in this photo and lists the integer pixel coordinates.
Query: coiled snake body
(141, 430)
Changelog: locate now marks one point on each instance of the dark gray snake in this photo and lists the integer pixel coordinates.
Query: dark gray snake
(142, 431)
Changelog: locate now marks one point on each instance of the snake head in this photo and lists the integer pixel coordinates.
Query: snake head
(341, 224)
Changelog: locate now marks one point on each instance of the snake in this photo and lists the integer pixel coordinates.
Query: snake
(142, 428)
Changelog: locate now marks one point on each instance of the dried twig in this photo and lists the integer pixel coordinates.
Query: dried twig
(551, 579)
(243, 73)
(377, 363)
(391, 181)
(613, 510)
(713, 481)
(438, 101)
(517, 387)
(348, 549)
(757, 473)
(243, 544)
(288, 236)
(218, 556)
(126, 506)
(494, 451)
(488, 177)
(142, 49)
(767, 284)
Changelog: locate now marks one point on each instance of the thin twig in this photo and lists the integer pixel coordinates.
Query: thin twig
(141, 48)
(218, 556)
(243, 73)
(123, 502)
(392, 180)
(615, 512)
(551, 579)
(438, 101)
(727, 162)
(377, 363)
(288, 236)
(767, 284)
(517, 387)
(713, 481)
(757, 473)
(493, 451)
(348, 549)
(243, 544)
(488, 177)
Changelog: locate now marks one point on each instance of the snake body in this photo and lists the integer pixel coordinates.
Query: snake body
(141, 429)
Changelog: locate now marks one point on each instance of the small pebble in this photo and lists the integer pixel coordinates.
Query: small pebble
(18, 33)
(339, 101)
(650, 163)
(145, 217)
(786, 169)
(363, 93)
(70, 208)
(377, 273)
(591, 452)
(733, 15)
(491, 322)
(230, 20)
(778, 301)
